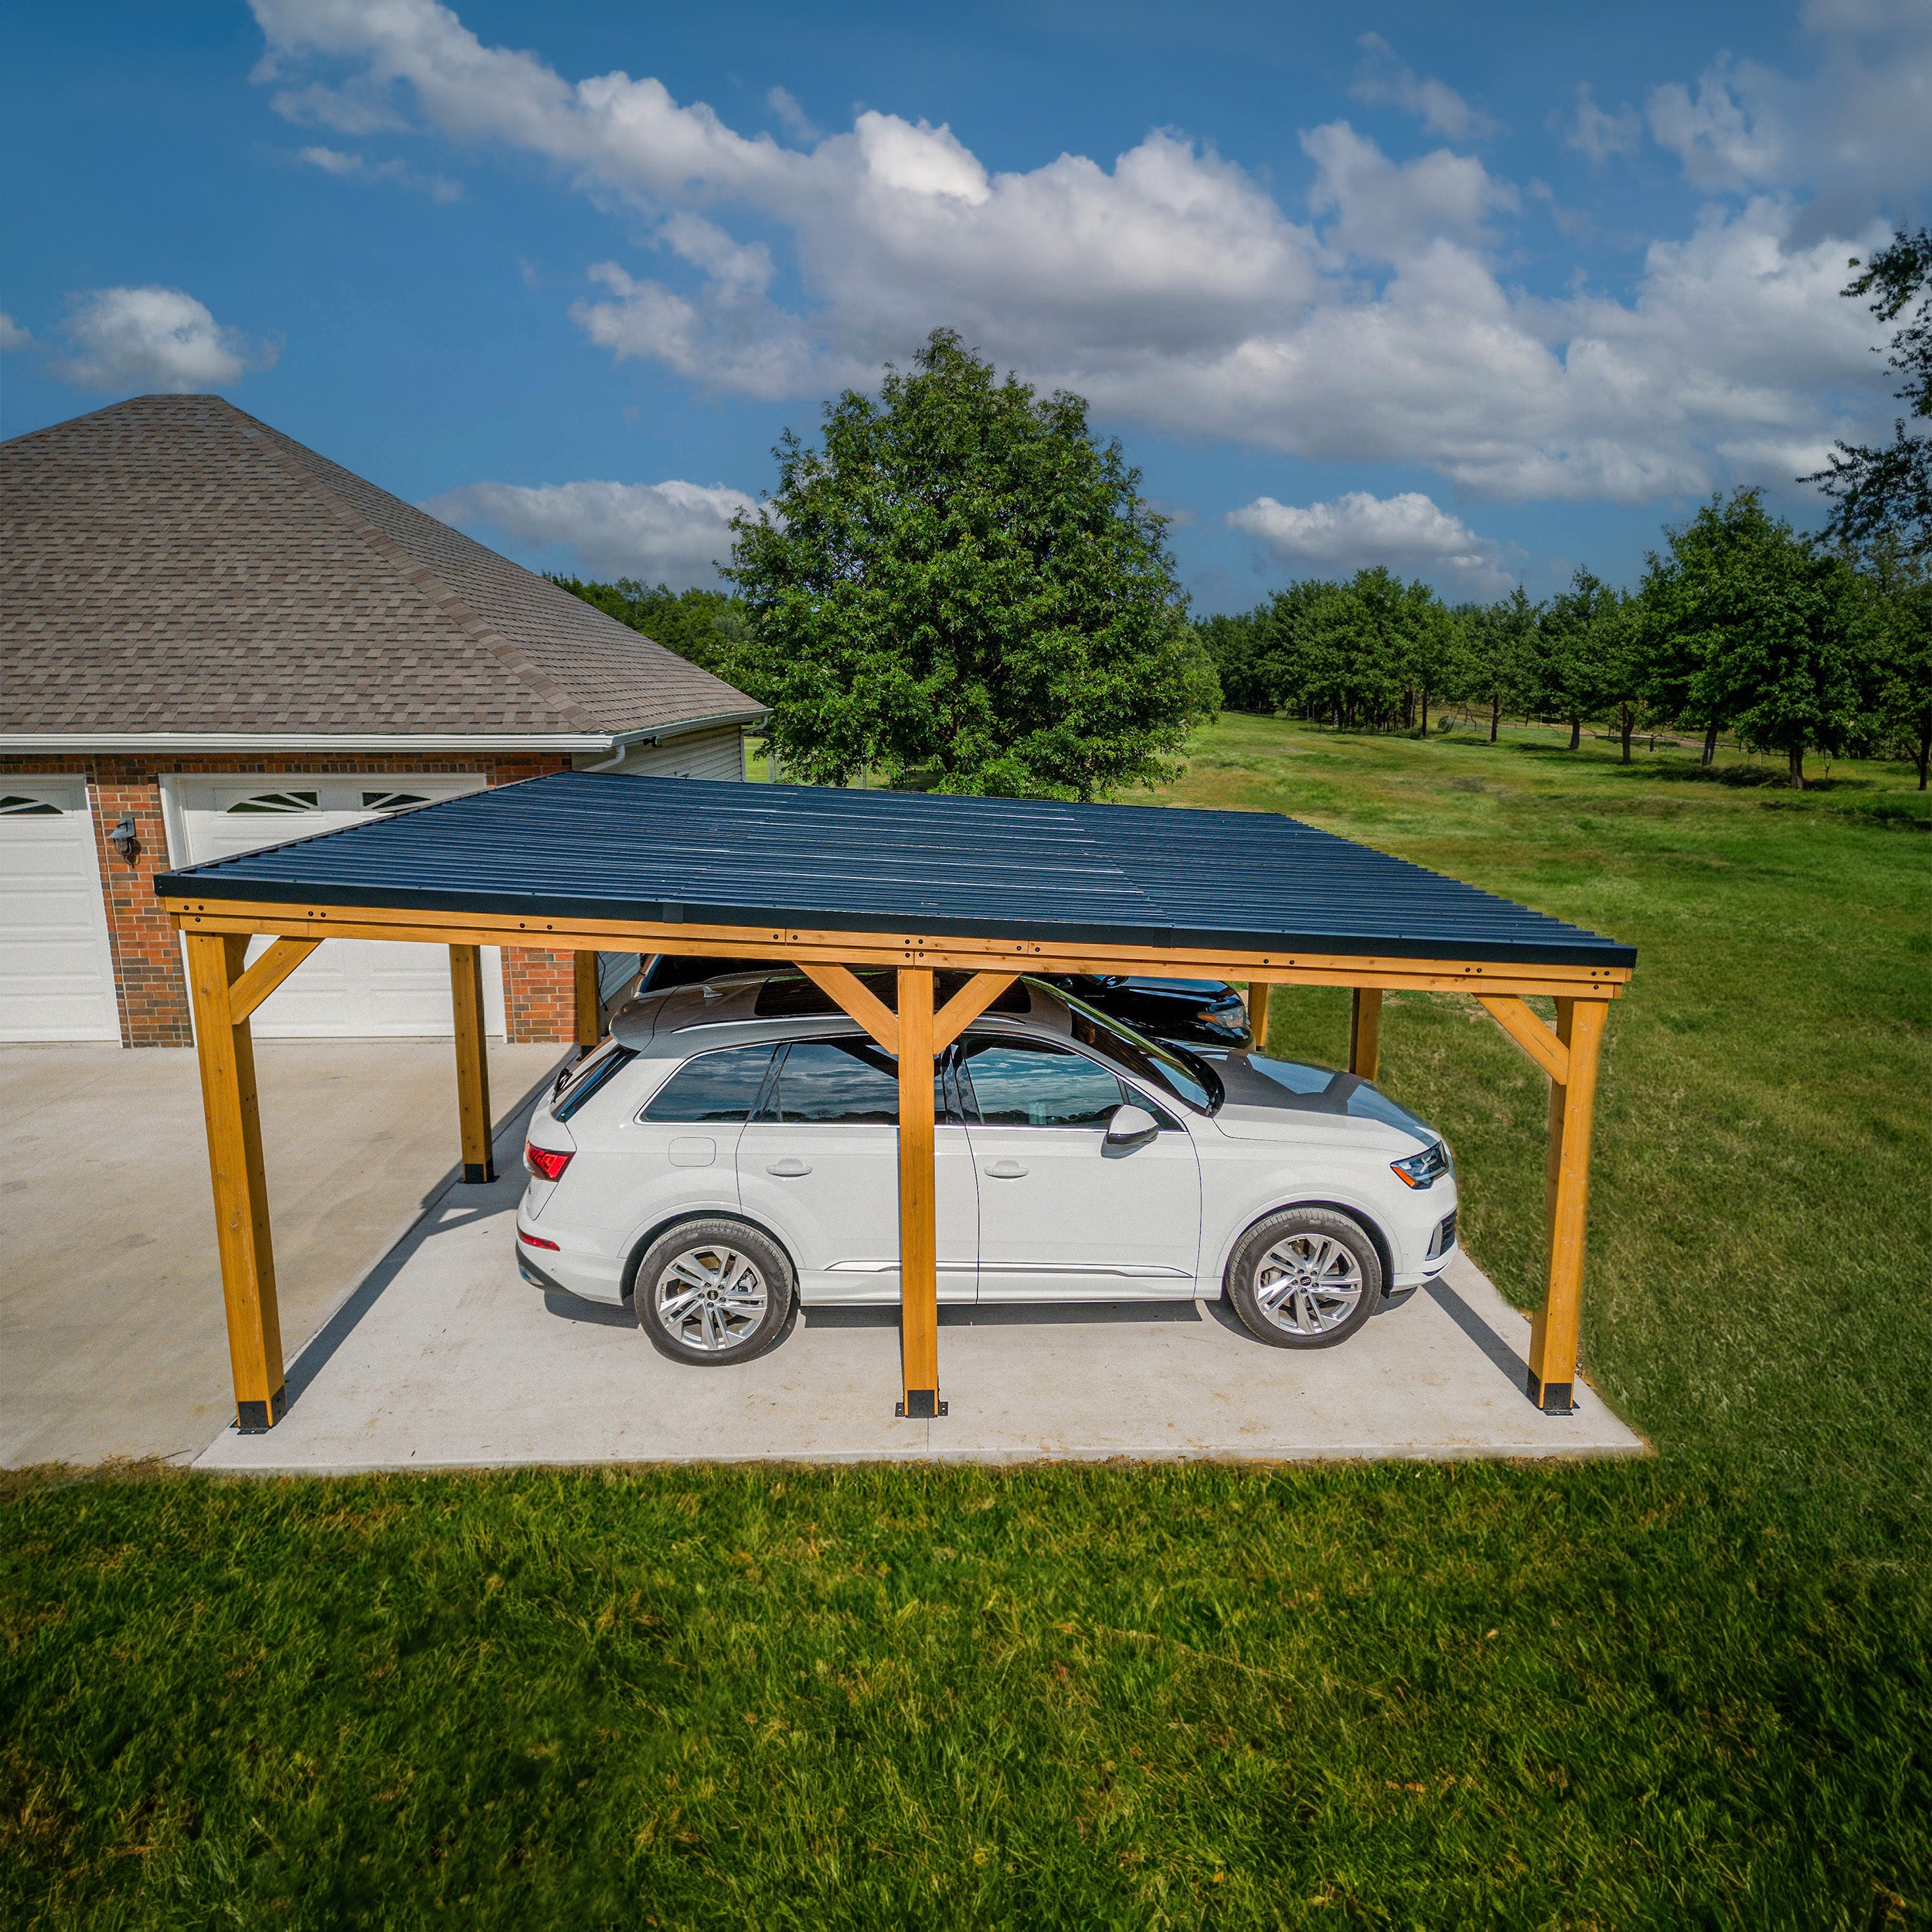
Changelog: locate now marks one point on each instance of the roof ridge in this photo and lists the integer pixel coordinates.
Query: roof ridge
(425, 579)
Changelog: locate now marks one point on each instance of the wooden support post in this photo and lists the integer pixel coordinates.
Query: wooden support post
(1258, 1014)
(1365, 1031)
(918, 1237)
(1554, 1329)
(590, 1008)
(226, 1051)
(472, 1064)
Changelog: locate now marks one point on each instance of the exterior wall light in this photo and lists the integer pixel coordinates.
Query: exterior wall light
(125, 840)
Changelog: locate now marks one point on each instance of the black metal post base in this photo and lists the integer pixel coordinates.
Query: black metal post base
(474, 1174)
(920, 1405)
(1553, 1398)
(258, 1418)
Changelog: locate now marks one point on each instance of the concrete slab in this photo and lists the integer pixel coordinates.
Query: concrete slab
(112, 1341)
(444, 1357)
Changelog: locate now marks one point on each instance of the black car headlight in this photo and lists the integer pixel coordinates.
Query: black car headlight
(1424, 1169)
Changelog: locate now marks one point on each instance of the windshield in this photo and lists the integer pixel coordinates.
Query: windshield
(1191, 1082)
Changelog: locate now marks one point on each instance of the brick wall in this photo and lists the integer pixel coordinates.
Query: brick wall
(539, 986)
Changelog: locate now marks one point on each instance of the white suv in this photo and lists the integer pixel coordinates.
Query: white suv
(732, 1146)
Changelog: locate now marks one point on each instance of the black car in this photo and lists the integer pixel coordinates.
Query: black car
(1192, 1012)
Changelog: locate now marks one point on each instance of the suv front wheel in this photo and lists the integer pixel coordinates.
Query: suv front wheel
(1304, 1278)
(710, 1292)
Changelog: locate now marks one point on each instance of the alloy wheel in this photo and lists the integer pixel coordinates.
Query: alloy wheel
(710, 1299)
(1308, 1285)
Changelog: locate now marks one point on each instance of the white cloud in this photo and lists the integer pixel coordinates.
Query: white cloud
(12, 336)
(1854, 129)
(1436, 105)
(1594, 131)
(674, 533)
(1726, 134)
(332, 160)
(792, 117)
(354, 167)
(1372, 321)
(152, 338)
(1409, 534)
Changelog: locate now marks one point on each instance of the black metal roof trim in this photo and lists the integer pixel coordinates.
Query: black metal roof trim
(612, 845)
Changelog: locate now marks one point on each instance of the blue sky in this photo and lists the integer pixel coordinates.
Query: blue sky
(1481, 293)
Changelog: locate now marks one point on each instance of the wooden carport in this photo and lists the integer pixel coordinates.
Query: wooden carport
(833, 880)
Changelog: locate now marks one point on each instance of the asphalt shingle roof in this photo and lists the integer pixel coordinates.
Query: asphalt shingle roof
(169, 563)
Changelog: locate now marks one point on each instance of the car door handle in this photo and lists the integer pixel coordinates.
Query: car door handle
(1004, 1170)
(791, 1166)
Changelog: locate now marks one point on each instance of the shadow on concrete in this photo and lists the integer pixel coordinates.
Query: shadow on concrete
(317, 1352)
(1010, 1314)
(599, 1315)
(1479, 1331)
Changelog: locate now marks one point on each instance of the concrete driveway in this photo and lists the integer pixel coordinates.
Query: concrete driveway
(111, 1334)
(444, 1357)
(413, 1342)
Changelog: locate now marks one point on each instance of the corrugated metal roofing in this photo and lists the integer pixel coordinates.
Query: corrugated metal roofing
(607, 845)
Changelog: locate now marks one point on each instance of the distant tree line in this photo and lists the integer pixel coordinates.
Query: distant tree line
(1740, 625)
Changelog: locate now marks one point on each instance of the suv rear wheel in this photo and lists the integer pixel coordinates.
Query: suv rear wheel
(1304, 1278)
(710, 1292)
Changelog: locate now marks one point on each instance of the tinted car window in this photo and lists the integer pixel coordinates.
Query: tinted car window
(1028, 1084)
(714, 1086)
(846, 1082)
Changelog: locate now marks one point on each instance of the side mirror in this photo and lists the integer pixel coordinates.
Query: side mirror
(1130, 1126)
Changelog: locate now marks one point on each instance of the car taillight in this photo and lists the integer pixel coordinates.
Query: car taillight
(537, 1241)
(544, 1162)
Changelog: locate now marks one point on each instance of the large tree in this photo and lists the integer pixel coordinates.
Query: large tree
(1887, 492)
(1754, 627)
(1496, 662)
(1901, 590)
(1567, 666)
(960, 588)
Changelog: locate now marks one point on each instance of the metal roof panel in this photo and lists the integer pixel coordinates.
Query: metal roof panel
(612, 845)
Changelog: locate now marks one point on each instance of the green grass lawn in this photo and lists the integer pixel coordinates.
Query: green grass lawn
(1689, 1691)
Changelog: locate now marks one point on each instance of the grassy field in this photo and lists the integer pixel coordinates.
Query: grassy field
(1691, 1691)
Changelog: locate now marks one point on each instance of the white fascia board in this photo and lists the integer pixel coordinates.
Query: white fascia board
(461, 742)
(657, 734)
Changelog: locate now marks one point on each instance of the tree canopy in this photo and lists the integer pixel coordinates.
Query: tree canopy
(958, 586)
(1886, 493)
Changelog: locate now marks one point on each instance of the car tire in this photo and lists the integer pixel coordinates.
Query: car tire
(1304, 1278)
(712, 1293)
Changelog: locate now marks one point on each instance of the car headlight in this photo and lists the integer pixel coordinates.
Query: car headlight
(1424, 1169)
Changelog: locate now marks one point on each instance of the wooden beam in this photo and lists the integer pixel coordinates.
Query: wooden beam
(851, 995)
(1365, 1031)
(472, 1065)
(918, 1238)
(266, 975)
(1554, 1329)
(1257, 997)
(590, 1008)
(1544, 1047)
(966, 1005)
(227, 1052)
(799, 945)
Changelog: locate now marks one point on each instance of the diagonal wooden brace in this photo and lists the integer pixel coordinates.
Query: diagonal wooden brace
(1522, 1025)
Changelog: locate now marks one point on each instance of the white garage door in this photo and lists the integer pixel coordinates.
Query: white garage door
(56, 973)
(346, 989)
